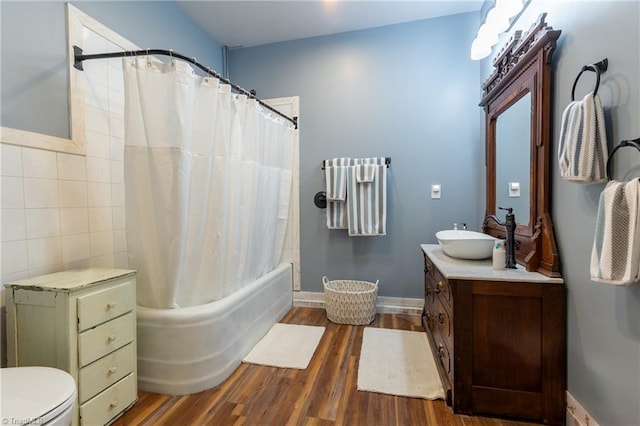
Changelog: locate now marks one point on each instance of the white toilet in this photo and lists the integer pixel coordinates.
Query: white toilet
(37, 395)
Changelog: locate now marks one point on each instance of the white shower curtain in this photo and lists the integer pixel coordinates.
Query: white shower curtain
(207, 181)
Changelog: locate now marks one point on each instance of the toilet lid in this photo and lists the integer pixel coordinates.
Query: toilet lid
(35, 394)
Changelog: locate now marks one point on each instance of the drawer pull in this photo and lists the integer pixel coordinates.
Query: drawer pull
(441, 318)
(113, 404)
(439, 287)
(111, 305)
(113, 369)
(440, 350)
(111, 338)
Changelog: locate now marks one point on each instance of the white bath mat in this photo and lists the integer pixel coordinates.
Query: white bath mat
(286, 346)
(398, 362)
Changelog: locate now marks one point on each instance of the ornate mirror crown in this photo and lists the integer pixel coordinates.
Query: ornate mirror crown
(517, 103)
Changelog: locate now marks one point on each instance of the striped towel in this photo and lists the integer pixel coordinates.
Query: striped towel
(615, 258)
(367, 203)
(582, 150)
(335, 172)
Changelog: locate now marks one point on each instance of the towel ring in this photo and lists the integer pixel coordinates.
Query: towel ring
(633, 143)
(598, 68)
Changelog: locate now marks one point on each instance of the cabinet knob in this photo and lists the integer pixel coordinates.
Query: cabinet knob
(113, 369)
(440, 350)
(111, 337)
(441, 318)
(111, 305)
(439, 287)
(113, 404)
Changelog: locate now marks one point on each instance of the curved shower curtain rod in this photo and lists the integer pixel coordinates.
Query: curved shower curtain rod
(79, 57)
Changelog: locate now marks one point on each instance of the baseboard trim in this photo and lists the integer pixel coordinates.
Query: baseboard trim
(577, 415)
(384, 305)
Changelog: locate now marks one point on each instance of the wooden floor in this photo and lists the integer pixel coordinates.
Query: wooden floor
(323, 394)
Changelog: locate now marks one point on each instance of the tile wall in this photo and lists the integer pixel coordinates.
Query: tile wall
(62, 211)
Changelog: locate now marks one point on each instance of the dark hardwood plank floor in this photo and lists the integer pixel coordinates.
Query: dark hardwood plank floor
(323, 394)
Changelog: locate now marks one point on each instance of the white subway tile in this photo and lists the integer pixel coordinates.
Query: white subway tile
(96, 94)
(100, 219)
(92, 42)
(42, 223)
(73, 193)
(44, 252)
(74, 221)
(101, 243)
(50, 269)
(98, 145)
(117, 148)
(116, 102)
(117, 171)
(38, 163)
(116, 125)
(106, 261)
(117, 194)
(95, 72)
(11, 160)
(12, 192)
(78, 264)
(99, 194)
(120, 240)
(98, 169)
(116, 77)
(40, 193)
(96, 120)
(13, 225)
(72, 167)
(75, 247)
(14, 257)
(122, 261)
(119, 218)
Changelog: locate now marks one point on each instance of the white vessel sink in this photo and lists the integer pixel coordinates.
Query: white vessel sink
(464, 244)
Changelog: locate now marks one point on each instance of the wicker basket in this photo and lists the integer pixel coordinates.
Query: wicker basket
(350, 302)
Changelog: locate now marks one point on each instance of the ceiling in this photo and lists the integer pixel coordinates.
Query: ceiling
(251, 23)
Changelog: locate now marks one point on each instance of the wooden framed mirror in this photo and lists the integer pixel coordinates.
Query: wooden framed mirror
(517, 103)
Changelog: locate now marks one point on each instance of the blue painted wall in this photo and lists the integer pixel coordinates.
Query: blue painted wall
(406, 91)
(33, 55)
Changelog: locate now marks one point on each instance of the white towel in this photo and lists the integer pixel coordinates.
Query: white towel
(367, 201)
(335, 171)
(615, 258)
(365, 172)
(582, 149)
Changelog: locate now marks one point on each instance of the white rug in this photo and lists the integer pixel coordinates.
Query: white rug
(398, 362)
(286, 346)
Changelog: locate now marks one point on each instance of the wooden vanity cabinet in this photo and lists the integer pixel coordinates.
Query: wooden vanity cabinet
(499, 344)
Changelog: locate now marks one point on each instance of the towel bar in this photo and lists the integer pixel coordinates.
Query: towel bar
(387, 161)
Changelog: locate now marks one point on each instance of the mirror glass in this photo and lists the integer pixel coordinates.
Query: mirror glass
(513, 158)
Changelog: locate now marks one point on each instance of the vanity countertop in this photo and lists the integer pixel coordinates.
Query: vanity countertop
(453, 268)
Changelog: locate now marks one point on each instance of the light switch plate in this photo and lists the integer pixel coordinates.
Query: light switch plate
(435, 192)
(514, 189)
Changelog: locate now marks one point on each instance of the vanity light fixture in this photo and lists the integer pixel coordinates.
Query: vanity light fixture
(497, 20)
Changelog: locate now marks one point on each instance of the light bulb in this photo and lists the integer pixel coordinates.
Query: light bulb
(497, 20)
(479, 50)
(487, 34)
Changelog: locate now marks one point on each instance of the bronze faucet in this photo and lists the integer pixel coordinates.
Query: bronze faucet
(510, 243)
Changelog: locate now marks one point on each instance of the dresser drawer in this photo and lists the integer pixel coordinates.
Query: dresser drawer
(442, 288)
(111, 402)
(105, 338)
(101, 374)
(442, 320)
(104, 305)
(444, 356)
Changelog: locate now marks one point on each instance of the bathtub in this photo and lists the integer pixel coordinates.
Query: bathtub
(188, 350)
